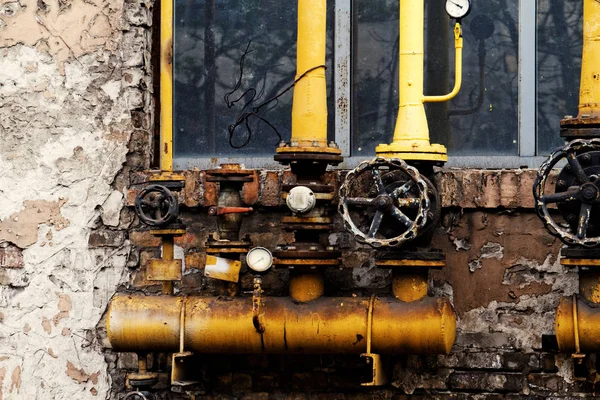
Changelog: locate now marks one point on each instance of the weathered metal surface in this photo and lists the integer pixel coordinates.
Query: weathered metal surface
(587, 318)
(307, 285)
(409, 286)
(222, 269)
(323, 326)
(385, 198)
(164, 270)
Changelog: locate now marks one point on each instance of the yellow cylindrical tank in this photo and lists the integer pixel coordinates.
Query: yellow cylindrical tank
(584, 319)
(322, 326)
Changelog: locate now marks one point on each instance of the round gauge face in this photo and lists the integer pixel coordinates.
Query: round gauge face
(259, 259)
(458, 9)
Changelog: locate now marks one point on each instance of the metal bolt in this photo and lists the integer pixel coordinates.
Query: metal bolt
(562, 184)
(586, 157)
(571, 218)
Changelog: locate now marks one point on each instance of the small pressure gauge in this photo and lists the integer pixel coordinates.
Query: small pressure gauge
(259, 259)
(458, 9)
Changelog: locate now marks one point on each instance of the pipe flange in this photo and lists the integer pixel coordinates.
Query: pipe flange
(390, 197)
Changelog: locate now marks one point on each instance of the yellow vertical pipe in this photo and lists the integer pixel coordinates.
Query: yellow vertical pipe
(411, 124)
(166, 85)
(309, 111)
(589, 91)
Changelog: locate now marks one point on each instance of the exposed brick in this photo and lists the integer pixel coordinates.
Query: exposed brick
(486, 381)
(142, 239)
(10, 256)
(106, 238)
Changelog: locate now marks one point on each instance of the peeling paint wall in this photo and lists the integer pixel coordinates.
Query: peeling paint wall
(74, 79)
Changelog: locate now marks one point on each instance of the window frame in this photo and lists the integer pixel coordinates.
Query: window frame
(527, 135)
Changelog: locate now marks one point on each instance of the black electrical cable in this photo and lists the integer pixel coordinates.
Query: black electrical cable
(244, 116)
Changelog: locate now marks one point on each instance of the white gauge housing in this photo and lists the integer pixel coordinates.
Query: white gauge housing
(259, 259)
(458, 9)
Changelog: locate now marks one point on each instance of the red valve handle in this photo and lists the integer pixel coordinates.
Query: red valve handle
(228, 210)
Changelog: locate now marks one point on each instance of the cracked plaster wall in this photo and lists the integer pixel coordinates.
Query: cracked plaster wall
(74, 79)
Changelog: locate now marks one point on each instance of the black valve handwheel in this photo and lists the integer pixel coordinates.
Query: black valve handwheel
(156, 205)
(576, 195)
(384, 202)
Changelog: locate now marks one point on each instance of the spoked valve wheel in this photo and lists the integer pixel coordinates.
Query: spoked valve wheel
(576, 194)
(384, 202)
(156, 206)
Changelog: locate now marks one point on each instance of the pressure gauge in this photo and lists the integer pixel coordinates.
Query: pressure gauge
(458, 9)
(259, 259)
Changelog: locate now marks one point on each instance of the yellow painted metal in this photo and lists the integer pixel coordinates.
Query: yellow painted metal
(306, 285)
(164, 270)
(166, 85)
(577, 320)
(166, 176)
(458, 46)
(589, 90)
(409, 286)
(580, 262)
(378, 377)
(411, 135)
(222, 268)
(309, 110)
(589, 285)
(323, 326)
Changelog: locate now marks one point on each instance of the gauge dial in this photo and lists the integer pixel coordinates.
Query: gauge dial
(458, 9)
(259, 259)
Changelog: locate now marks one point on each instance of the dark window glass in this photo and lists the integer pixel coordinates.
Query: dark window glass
(210, 39)
(559, 41)
(471, 124)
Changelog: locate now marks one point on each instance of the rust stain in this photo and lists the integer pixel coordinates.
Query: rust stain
(77, 375)
(46, 325)
(2, 376)
(65, 331)
(21, 228)
(64, 306)
(26, 328)
(15, 379)
(51, 353)
(250, 190)
(94, 377)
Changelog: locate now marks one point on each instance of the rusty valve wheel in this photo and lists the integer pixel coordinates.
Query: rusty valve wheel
(577, 193)
(388, 199)
(156, 205)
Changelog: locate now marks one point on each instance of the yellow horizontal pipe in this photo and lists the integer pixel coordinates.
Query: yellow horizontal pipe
(587, 323)
(458, 45)
(325, 325)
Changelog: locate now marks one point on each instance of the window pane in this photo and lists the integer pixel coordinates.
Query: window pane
(559, 41)
(468, 125)
(210, 39)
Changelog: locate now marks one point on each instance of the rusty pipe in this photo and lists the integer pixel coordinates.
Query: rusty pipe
(323, 326)
(579, 322)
